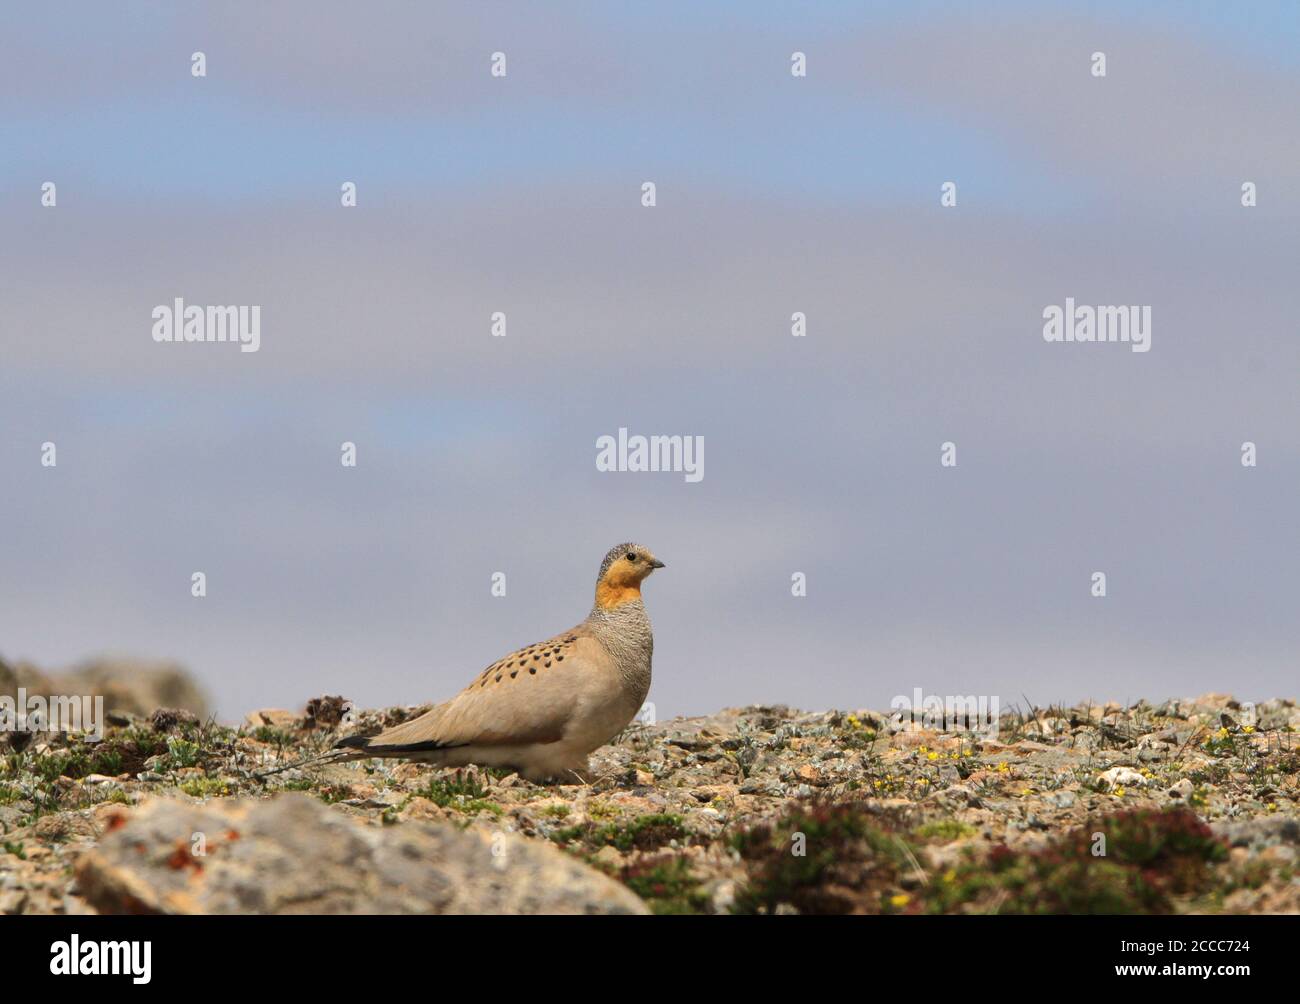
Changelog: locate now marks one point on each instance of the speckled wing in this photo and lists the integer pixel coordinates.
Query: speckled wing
(526, 697)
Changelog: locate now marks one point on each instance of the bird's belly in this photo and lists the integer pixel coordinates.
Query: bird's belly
(597, 722)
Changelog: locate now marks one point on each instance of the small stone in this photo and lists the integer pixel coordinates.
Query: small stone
(1118, 777)
(325, 712)
(169, 719)
(808, 774)
(277, 718)
(1181, 790)
(1282, 855)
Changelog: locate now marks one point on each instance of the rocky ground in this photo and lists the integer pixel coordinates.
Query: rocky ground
(1185, 806)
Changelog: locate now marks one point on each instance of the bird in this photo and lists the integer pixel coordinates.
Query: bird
(542, 709)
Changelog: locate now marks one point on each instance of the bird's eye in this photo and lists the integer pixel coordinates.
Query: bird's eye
(631, 557)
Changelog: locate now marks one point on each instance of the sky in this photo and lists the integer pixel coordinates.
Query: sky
(775, 194)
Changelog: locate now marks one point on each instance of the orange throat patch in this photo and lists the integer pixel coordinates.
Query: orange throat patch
(615, 594)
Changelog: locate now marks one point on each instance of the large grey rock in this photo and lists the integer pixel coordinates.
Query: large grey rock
(293, 854)
(134, 686)
(1260, 832)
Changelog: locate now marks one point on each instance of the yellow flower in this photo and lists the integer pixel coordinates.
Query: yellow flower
(932, 756)
(1004, 768)
(1119, 791)
(1248, 729)
(902, 899)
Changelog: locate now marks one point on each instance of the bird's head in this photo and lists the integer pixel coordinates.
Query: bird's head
(621, 573)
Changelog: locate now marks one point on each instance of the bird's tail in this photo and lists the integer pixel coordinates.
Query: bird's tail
(345, 749)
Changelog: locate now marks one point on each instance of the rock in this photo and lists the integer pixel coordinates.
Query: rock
(809, 775)
(1259, 833)
(1122, 777)
(169, 719)
(1280, 854)
(17, 741)
(1182, 790)
(293, 854)
(276, 718)
(133, 686)
(27, 676)
(127, 686)
(325, 712)
(8, 680)
(370, 802)
(1274, 714)
(955, 796)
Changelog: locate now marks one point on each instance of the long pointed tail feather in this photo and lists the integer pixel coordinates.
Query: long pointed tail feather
(348, 748)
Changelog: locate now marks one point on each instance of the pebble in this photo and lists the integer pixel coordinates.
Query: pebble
(1182, 790)
(1122, 777)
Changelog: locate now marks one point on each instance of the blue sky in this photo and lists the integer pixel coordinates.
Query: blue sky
(775, 194)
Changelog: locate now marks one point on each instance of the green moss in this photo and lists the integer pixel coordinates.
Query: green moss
(461, 792)
(332, 793)
(835, 858)
(270, 734)
(52, 766)
(124, 751)
(667, 886)
(1150, 858)
(648, 832)
(820, 858)
(182, 753)
(944, 830)
(205, 787)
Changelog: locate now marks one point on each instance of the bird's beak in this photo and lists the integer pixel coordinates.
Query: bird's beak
(656, 563)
